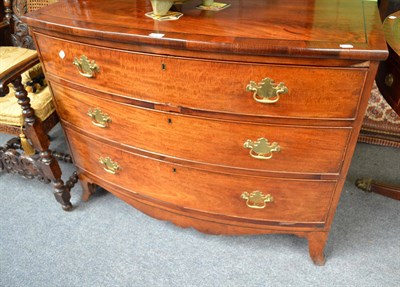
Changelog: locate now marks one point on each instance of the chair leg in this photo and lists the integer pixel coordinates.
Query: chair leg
(11, 161)
(35, 132)
(63, 191)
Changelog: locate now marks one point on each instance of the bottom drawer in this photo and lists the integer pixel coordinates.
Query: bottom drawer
(293, 201)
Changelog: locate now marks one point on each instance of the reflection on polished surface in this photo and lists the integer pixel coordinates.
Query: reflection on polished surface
(306, 23)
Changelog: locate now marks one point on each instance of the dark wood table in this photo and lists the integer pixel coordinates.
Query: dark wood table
(388, 77)
(388, 82)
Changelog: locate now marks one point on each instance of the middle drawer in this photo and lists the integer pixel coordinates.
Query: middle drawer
(234, 144)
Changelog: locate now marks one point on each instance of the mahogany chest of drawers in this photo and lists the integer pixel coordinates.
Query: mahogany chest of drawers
(241, 121)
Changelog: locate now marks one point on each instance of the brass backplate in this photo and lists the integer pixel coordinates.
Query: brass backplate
(87, 68)
(267, 92)
(109, 165)
(261, 148)
(99, 118)
(256, 199)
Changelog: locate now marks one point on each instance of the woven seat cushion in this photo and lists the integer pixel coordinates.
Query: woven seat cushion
(11, 55)
(41, 101)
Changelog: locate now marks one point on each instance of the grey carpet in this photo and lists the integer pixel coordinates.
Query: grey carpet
(105, 242)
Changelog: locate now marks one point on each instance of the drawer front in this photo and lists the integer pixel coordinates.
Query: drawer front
(301, 149)
(211, 192)
(214, 86)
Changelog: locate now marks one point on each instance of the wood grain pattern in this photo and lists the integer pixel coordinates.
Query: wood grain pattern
(209, 192)
(207, 223)
(310, 29)
(303, 149)
(313, 92)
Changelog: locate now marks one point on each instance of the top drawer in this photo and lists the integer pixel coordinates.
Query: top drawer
(312, 92)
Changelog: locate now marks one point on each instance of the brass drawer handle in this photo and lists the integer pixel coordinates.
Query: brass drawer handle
(99, 119)
(267, 92)
(261, 148)
(256, 199)
(109, 165)
(87, 68)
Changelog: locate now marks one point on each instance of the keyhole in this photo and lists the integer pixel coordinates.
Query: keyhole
(174, 170)
(163, 67)
(170, 121)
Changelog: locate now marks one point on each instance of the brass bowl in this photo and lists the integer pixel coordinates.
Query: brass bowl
(161, 7)
(208, 2)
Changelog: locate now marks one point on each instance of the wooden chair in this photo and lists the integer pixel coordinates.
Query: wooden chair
(25, 112)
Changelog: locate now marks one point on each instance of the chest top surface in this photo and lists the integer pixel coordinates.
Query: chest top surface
(309, 28)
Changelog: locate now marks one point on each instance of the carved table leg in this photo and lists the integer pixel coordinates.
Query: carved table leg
(35, 132)
(384, 189)
(316, 246)
(87, 189)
